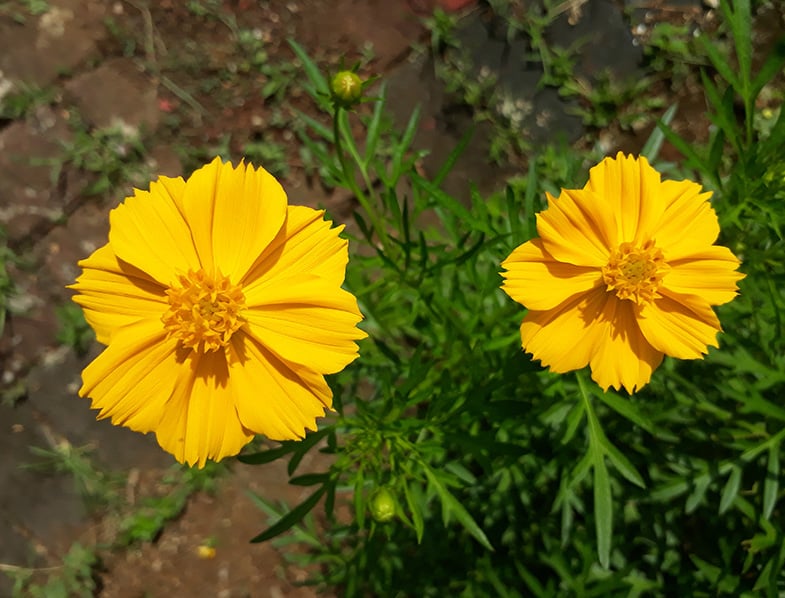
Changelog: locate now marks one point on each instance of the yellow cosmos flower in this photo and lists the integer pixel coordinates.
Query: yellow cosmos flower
(623, 272)
(221, 308)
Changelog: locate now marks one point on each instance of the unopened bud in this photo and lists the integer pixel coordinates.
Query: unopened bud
(383, 505)
(347, 88)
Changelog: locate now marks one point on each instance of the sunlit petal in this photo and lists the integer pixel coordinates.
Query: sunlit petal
(683, 329)
(565, 338)
(133, 378)
(624, 358)
(273, 397)
(200, 421)
(689, 224)
(535, 279)
(233, 214)
(577, 228)
(306, 244)
(710, 274)
(149, 232)
(114, 294)
(305, 321)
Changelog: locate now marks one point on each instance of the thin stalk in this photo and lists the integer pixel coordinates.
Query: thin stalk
(348, 174)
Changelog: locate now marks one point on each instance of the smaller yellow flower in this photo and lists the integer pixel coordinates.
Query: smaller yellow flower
(205, 552)
(624, 271)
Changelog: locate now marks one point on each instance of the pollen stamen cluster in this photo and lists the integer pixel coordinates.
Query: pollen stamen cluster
(204, 311)
(635, 272)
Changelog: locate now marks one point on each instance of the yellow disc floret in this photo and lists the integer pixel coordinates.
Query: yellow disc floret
(635, 273)
(204, 311)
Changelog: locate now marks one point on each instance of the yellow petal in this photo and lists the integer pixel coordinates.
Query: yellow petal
(200, 422)
(565, 338)
(306, 244)
(623, 357)
(272, 397)
(234, 214)
(114, 294)
(578, 228)
(630, 188)
(149, 232)
(305, 320)
(132, 380)
(688, 224)
(710, 274)
(682, 328)
(535, 279)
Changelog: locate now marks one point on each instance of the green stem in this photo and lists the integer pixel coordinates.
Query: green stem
(594, 423)
(351, 182)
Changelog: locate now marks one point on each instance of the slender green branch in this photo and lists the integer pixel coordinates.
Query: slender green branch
(348, 174)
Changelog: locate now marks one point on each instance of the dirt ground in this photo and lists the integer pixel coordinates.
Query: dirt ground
(171, 72)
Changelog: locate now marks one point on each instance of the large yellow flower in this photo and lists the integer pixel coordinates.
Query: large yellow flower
(221, 308)
(624, 271)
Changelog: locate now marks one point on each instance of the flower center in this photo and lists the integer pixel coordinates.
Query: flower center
(204, 311)
(635, 272)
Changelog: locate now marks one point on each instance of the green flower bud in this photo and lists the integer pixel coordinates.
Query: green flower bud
(383, 505)
(347, 88)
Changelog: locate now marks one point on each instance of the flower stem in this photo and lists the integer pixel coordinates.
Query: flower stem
(351, 182)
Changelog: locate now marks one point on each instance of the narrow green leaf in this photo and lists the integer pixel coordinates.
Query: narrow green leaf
(573, 420)
(771, 486)
(623, 464)
(699, 492)
(720, 62)
(310, 479)
(626, 408)
(359, 498)
(403, 145)
(329, 499)
(710, 572)
(451, 506)
(460, 471)
(723, 114)
(415, 510)
(731, 490)
(347, 137)
(452, 158)
(291, 518)
(692, 156)
(531, 581)
(528, 201)
(581, 469)
(651, 148)
(603, 509)
(268, 456)
(374, 126)
(739, 17)
(320, 90)
(670, 490)
(321, 130)
(303, 446)
(443, 199)
(773, 66)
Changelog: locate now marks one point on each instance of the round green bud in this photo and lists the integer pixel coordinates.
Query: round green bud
(383, 505)
(347, 88)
